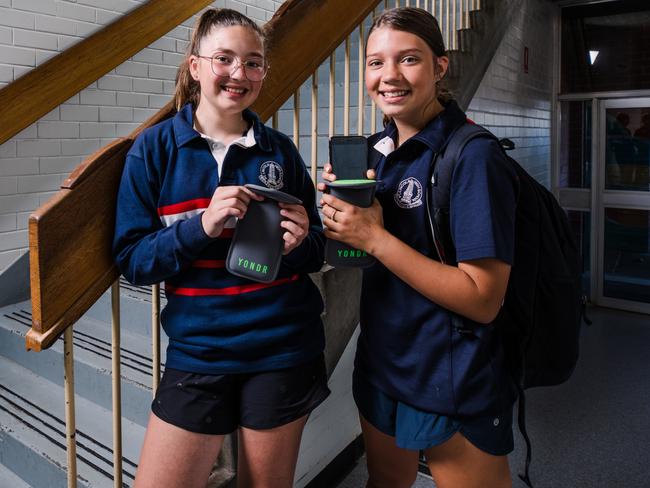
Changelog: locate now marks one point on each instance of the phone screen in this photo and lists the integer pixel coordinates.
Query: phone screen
(349, 157)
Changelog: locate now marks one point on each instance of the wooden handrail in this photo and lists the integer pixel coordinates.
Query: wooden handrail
(47, 86)
(70, 236)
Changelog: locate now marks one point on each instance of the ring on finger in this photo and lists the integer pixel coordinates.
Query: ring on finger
(334, 215)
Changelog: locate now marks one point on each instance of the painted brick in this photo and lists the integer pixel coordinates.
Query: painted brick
(104, 17)
(123, 130)
(16, 18)
(42, 56)
(115, 114)
(64, 42)
(38, 183)
(255, 13)
(17, 55)
(158, 101)
(169, 87)
(149, 56)
(79, 113)
(97, 97)
(162, 72)
(79, 147)
(142, 114)
(45, 197)
(235, 5)
(18, 166)
(8, 185)
(13, 240)
(172, 59)
(39, 148)
(5, 3)
(56, 25)
(129, 68)
(115, 82)
(93, 130)
(16, 203)
(6, 73)
(59, 165)
(121, 6)
(5, 35)
(8, 222)
(58, 130)
(164, 44)
(147, 86)
(267, 5)
(8, 149)
(40, 6)
(132, 99)
(75, 11)
(85, 29)
(52, 115)
(22, 220)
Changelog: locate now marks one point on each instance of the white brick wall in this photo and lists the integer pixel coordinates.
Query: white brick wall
(515, 104)
(36, 161)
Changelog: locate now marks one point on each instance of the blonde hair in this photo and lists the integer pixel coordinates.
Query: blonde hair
(187, 88)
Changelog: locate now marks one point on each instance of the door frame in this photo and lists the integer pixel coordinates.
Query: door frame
(602, 197)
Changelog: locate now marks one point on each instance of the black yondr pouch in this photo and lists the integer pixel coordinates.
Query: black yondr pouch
(256, 248)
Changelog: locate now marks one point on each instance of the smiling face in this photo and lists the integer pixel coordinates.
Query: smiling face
(401, 75)
(234, 93)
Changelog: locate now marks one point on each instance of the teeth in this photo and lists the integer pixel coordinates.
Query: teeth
(395, 94)
(234, 90)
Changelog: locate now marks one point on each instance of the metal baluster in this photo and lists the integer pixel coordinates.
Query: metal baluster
(70, 423)
(116, 384)
(155, 337)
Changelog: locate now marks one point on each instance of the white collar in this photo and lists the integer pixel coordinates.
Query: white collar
(244, 141)
(385, 146)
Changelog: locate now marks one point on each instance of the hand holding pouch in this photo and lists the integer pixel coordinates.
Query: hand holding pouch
(256, 248)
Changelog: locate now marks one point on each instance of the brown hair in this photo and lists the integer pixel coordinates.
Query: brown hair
(421, 23)
(187, 88)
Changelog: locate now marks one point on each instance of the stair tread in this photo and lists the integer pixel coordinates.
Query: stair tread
(9, 479)
(92, 339)
(32, 411)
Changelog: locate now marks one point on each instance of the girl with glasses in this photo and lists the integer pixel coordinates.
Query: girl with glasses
(421, 381)
(242, 356)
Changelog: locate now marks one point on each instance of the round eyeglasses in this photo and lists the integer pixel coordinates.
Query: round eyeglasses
(222, 65)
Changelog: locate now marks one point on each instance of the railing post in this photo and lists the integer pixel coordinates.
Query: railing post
(314, 126)
(117, 390)
(70, 423)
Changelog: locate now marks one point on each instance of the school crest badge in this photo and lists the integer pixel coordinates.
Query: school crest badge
(409, 193)
(272, 175)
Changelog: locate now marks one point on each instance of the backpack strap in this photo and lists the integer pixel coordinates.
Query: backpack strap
(438, 202)
(439, 191)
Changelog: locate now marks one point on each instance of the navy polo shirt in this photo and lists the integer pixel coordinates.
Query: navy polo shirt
(408, 347)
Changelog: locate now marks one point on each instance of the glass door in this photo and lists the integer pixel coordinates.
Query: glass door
(622, 205)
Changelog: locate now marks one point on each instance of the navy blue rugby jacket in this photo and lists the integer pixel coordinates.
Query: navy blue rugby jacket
(217, 322)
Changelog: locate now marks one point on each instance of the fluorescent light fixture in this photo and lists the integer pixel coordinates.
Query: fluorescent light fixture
(593, 55)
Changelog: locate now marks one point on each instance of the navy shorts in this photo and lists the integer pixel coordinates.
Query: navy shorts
(418, 430)
(219, 404)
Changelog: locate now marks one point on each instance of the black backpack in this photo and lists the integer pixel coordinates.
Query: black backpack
(541, 314)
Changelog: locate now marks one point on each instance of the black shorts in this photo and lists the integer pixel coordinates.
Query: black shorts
(218, 404)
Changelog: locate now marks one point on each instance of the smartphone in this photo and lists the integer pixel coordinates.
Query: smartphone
(349, 157)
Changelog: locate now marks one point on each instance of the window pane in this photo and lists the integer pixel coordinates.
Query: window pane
(627, 156)
(627, 254)
(619, 32)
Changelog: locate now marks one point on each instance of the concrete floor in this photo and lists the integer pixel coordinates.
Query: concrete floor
(594, 430)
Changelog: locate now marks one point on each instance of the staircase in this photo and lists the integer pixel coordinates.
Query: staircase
(32, 432)
(32, 419)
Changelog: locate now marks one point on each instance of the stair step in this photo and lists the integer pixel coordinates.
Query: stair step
(92, 354)
(32, 433)
(9, 479)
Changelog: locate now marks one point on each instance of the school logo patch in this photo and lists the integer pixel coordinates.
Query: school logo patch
(409, 193)
(272, 175)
